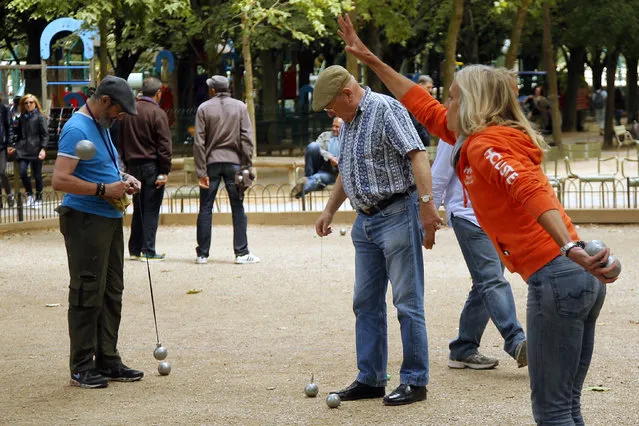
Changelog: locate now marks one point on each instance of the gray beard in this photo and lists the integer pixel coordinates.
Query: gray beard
(106, 122)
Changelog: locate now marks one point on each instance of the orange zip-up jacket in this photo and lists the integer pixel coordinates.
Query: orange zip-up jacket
(500, 170)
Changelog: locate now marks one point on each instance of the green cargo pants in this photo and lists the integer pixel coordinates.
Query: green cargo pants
(95, 252)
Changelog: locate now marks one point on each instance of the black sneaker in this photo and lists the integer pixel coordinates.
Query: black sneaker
(122, 373)
(89, 379)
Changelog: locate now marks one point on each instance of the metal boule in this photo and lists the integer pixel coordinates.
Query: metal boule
(164, 368)
(160, 352)
(333, 400)
(342, 232)
(617, 270)
(85, 149)
(595, 246)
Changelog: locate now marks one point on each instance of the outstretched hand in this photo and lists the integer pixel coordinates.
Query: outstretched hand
(354, 44)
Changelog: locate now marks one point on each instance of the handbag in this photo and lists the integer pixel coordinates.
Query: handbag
(244, 177)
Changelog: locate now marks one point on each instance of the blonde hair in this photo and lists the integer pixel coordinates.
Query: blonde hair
(488, 98)
(23, 99)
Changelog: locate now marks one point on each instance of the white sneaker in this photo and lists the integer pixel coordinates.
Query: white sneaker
(201, 260)
(247, 258)
(37, 204)
(29, 201)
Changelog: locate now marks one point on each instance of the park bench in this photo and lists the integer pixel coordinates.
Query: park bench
(288, 163)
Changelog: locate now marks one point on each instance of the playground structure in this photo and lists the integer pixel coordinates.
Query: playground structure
(56, 78)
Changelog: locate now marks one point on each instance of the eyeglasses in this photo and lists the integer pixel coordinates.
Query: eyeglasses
(29, 102)
(333, 102)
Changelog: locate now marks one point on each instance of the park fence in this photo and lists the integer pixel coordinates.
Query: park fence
(573, 194)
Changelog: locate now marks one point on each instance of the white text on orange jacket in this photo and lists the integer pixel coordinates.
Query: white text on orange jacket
(505, 169)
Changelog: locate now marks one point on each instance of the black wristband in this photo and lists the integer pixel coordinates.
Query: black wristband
(101, 190)
(97, 189)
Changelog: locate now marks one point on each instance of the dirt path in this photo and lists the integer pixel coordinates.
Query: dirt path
(243, 349)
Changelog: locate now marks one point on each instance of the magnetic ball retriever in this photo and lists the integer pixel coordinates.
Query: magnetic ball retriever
(160, 352)
(311, 389)
(595, 246)
(85, 149)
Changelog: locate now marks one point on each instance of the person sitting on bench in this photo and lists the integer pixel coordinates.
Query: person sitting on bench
(320, 162)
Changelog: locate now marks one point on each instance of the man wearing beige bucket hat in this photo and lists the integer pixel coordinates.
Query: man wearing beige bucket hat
(384, 172)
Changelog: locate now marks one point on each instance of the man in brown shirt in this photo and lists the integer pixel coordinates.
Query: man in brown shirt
(223, 142)
(145, 147)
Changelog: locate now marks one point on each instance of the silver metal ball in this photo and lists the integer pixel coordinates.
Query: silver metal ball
(85, 149)
(311, 390)
(245, 172)
(595, 246)
(161, 178)
(240, 178)
(617, 270)
(164, 368)
(342, 232)
(160, 352)
(333, 400)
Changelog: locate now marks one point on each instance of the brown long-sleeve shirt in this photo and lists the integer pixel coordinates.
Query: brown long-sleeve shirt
(146, 136)
(222, 128)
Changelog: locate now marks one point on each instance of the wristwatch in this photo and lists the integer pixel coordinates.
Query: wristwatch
(565, 249)
(426, 198)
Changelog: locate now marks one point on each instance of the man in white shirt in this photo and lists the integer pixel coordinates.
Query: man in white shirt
(491, 296)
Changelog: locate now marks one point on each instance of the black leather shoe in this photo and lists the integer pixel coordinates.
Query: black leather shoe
(359, 390)
(406, 394)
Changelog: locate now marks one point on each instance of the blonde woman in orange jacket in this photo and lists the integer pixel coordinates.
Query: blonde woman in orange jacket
(497, 158)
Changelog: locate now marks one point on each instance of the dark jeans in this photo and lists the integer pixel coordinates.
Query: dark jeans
(146, 208)
(4, 179)
(36, 171)
(564, 301)
(217, 172)
(95, 250)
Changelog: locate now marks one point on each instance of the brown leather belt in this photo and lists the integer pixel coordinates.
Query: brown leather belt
(376, 208)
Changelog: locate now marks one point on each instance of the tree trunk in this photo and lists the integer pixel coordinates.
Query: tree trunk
(611, 69)
(34, 28)
(248, 80)
(597, 66)
(352, 64)
(575, 74)
(102, 27)
(373, 42)
(451, 45)
(515, 35)
(549, 61)
(270, 94)
(305, 61)
(631, 79)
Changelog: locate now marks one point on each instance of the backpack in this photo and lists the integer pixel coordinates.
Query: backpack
(598, 100)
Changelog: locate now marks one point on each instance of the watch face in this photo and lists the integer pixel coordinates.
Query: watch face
(425, 198)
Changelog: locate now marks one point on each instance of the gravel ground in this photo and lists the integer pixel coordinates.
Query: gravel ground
(243, 348)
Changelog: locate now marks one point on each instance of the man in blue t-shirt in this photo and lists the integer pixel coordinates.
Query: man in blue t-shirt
(91, 222)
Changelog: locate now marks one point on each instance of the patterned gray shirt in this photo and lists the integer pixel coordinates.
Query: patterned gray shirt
(373, 163)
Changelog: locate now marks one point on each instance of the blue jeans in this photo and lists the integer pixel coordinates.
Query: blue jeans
(564, 301)
(217, 172)
(388, 245)
(319, 172)
(490, 297)
(146, 208)
(36, 171)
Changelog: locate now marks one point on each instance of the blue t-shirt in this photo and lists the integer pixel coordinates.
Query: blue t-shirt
(100, 168)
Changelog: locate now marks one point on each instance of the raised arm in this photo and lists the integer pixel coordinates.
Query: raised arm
(394, 81)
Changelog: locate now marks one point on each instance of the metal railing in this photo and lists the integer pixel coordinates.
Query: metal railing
(276, 199)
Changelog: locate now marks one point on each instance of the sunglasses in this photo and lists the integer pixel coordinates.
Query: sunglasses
(29, 102)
